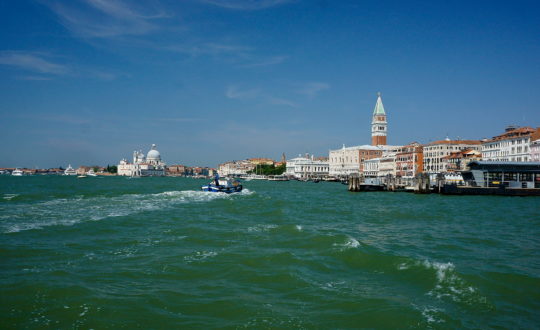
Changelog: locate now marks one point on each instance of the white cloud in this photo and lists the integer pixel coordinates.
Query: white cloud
(34, 62)
(104, 19)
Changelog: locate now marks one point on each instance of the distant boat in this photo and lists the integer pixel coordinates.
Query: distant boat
(82, 176)
(70, 171)
(17, 172)
(278, 178)
(91, 172)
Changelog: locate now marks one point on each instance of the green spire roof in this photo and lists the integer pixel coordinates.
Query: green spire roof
(379, 108)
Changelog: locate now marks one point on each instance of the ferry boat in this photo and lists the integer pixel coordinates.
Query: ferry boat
(70, 171)
(223, 185)
(278, 178)
(17, 172)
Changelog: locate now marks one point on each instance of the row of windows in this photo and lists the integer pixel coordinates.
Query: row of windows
(505, 143)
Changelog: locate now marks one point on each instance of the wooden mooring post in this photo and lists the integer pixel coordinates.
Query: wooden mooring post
(354, 183)
(422, 184)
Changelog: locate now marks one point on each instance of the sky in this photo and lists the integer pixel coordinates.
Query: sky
(87, 82)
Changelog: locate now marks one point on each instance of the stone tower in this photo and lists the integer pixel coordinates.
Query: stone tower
(378, 124)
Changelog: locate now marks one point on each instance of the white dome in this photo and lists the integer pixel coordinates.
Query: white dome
(153, 154)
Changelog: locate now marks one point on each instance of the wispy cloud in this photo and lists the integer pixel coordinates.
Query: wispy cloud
(104, 18)
(313, 88)
(265, 61)
(34, 62)
(246, 4)
(209, 49)
(233, 92)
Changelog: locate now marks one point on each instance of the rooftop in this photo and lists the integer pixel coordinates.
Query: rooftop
(515, 133)
(454, 142)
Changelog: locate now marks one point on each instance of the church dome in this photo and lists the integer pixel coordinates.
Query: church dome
(153, 154)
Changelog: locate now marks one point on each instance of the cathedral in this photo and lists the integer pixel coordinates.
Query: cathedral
(151, 165)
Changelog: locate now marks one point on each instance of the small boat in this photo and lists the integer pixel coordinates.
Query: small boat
(82, 176)
(223, 185)
(17, 172)
(91, 172)
(70, 171)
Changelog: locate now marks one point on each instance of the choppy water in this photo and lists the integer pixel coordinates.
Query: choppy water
(157, 253)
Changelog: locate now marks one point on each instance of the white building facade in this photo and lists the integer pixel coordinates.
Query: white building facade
(535, 151)
(514, 145)
(151, 165)
(307, 167)
(435, 153)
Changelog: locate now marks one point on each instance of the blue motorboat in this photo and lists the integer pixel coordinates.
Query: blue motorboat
(223, 185)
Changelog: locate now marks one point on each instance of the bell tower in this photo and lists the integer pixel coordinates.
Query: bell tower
(378, 124)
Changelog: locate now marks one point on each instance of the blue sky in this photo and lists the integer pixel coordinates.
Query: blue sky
(89, 81)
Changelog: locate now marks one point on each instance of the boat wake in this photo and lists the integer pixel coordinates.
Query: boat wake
(70, 211)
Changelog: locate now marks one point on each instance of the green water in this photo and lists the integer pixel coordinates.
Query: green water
(157, 253)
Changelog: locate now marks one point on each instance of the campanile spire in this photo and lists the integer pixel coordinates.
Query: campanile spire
(378, 123)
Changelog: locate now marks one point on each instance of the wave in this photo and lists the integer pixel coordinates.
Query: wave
(350, 243)
(70, 211)
(449, 285)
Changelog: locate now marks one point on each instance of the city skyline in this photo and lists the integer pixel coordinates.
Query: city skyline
(88, 82)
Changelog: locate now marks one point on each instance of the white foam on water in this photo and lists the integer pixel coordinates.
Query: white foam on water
(351, 243)
(200, 255)
(261, 228)
(67, 212)
(9, 197)
(432, 315)
(403, 266)
(449, 285)
(298, 227)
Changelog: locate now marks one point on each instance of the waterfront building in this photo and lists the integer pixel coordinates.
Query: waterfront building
(350, 160)
(235, 168)
(371, 170)
(82, 170)
(307, 167)
(512, 145)
(503, 173)
(434, 152)
(261, 161)
(151, 165)
(387, 165)
(409, 161)
(535, 150)
(459, 161)
(176, 170)
(378, 124)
